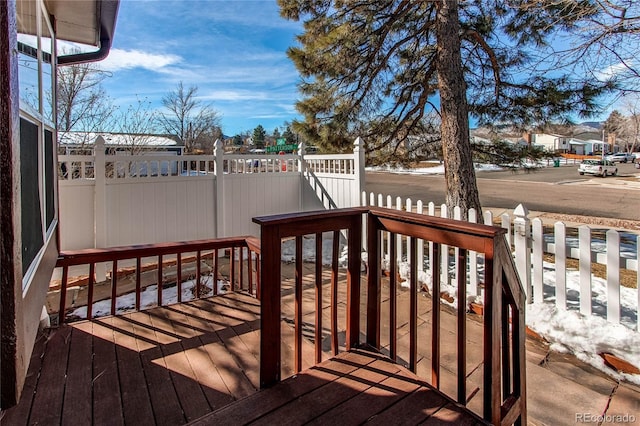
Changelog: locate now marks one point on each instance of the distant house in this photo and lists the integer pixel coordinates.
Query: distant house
(550, 141)
(585, 147)
(82, 142)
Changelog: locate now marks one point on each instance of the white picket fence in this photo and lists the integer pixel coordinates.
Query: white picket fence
(551, 282)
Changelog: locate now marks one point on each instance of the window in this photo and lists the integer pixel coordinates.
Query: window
(36, 58)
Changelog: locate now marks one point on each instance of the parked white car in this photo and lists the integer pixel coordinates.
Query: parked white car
(621, 157)
(602, 168)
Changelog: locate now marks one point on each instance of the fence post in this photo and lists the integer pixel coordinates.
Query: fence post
(521, 239)
(358, 166)
(302, 171)
(100, 204)
(219, 171)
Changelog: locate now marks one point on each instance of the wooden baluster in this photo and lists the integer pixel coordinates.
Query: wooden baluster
(179, 276)
(354, 263)
(334, 292)
(435, 317)
(393, 293)
(318, 335)
(114, 284)
(373, 285)
(138, 282)
(62, 312)
(159, 280)
(413, 305)
(215, 271)
(92, 267)
(240, 260)
(232, 269)
(250, 269)
(258, 275)
(298, 306)
(198, 272)
(506, 351)
(462, 325)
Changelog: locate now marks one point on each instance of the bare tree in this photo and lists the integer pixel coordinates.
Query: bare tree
(605, 36)
(626, 124)
(187, 117)
(81, 101)
(137, 125)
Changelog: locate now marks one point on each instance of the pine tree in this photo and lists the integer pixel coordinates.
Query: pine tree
(259, 135)
(379, 68)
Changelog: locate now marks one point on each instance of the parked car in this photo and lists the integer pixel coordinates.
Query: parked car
(621, 157)
(602, 168)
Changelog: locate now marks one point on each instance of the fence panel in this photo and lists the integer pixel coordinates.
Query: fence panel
(531, 246)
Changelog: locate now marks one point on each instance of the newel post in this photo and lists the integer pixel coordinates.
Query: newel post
(219, 196)
(521, 240)
(100, 203)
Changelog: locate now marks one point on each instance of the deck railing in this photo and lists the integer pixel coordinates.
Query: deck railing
(503, 383)
(243, 258)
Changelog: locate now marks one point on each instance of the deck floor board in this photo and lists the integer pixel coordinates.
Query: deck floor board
(198, 361)
(351, 389)
(47, 406)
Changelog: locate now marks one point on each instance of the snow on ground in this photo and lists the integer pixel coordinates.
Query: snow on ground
(436, 169)
(149, 298)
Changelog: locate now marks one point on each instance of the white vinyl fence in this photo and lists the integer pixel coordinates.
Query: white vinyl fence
(553, 281)
(114, 200)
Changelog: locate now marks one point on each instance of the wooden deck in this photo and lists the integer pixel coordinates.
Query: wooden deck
(163, 366)
(175, 364)
(353, 388)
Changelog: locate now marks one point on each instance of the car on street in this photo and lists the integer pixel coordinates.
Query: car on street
(602, 168)
(621, 157)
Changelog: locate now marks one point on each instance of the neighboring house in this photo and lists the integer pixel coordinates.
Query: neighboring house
(550, 142)
(585, 147)
(28, 189)
(70, 143)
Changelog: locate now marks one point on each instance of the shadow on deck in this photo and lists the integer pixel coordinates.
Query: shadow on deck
(165, 366)
(187, 362)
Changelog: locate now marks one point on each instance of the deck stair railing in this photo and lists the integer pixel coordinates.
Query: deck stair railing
(503, 352)
(243, 268)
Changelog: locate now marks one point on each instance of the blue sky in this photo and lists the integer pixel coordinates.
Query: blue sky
(233, 51)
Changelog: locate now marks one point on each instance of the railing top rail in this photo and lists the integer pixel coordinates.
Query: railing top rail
(303, 223)
(462, 234)
(457, 226)
(86, 256)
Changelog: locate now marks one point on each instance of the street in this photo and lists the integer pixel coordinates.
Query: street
(552, 189)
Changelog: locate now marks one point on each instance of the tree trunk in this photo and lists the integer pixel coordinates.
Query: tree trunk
(460, 177)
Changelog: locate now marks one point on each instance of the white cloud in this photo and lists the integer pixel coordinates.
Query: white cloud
(615, 70)
(120, 59)
(235, 95)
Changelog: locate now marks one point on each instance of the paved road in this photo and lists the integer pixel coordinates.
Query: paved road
(555, 190)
